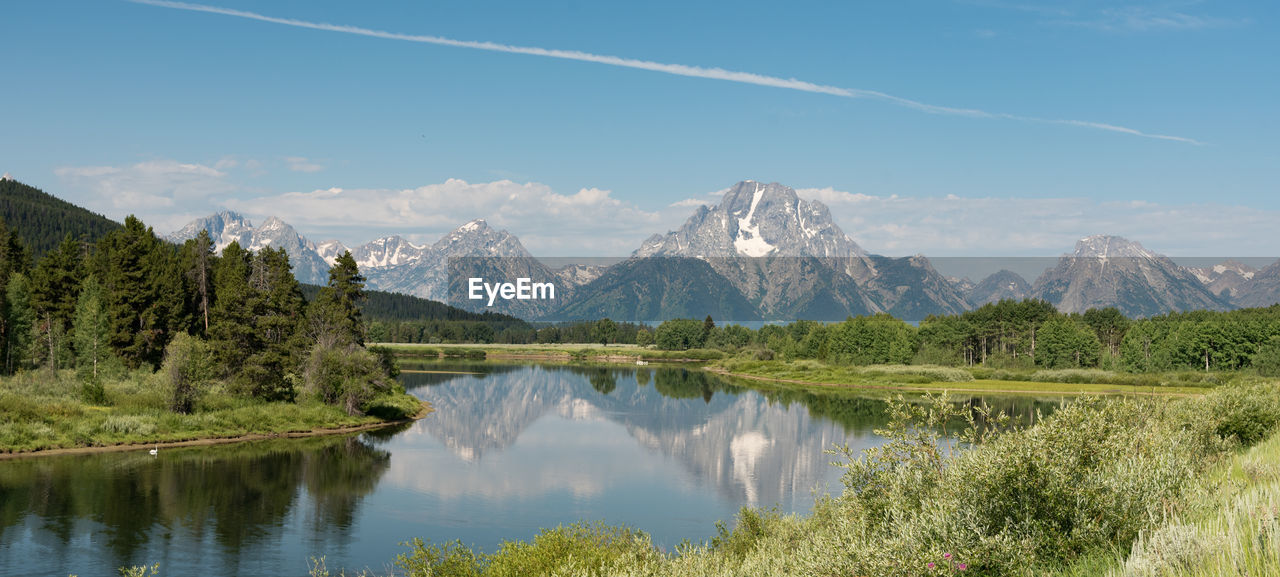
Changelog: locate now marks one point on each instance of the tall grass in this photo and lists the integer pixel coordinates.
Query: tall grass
(44, 410)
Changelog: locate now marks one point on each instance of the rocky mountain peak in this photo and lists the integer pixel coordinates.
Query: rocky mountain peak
(755, 219)
(477, 238)
(1112, 271)
(387, 251)
(1106, 246)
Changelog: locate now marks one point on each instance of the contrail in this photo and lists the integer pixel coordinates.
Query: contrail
(677, 69)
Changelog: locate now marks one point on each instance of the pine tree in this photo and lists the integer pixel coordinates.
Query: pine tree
(20, 319)
(144, 296)
(231, 333)
(334, 317)
(55, 285)
(276, 305)
(12, 260)
(55, 282)
(198, 260)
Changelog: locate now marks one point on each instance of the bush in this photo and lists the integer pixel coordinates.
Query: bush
(348, 376)
(1245, 413)
(448, 560)
(188, 366)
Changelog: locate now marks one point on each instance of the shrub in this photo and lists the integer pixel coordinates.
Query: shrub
(579, 549)
(448, 560)
(188, 366)
(348, 376)
(1246, 413)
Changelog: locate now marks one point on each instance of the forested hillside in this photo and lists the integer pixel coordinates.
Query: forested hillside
(43, 220)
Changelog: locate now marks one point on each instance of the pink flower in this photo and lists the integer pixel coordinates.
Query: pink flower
(946, 555)
(962, 566)
(930, 565)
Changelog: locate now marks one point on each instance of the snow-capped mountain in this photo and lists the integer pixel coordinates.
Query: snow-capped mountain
(755, 219)
(392, 263)
(1112, 271)
(1225, 279)
(761, 253)
(386, 252)
(309, 266)
(785, 254)
(398, 266)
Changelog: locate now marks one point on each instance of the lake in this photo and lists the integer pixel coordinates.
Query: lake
(509, 449)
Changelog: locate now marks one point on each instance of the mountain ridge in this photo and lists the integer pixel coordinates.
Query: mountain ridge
(783, 254)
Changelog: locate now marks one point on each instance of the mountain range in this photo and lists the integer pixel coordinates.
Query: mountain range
(762, 253)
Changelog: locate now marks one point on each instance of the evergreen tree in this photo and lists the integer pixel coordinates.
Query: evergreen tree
(13, 259)
(55, 286)
(231, 333)
(606, 331)
(20, 319)
(276, 304)
(197, 260)
(144, 296)
(92, 332)
(334, 317)
(55, 282)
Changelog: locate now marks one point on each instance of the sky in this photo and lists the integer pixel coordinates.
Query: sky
(948, 127)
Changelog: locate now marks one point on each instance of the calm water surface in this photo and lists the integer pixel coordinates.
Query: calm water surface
(508, 450)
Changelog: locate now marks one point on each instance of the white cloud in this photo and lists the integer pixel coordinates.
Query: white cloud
(147, 186)
(830, 196)
(662, 67)
(691, 202)
(593, 222)
(1151, 18)
(588, 222)
(302, 164)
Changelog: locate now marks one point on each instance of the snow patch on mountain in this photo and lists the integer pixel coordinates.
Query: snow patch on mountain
(749, 242)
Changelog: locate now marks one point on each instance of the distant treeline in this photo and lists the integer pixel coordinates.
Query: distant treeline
(1009, 334)
(42, 221)
(1006, 334)
(499, 329)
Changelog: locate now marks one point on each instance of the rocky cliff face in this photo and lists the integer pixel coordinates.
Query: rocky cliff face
(998, 286)
(1261, 289)
(1112, 271)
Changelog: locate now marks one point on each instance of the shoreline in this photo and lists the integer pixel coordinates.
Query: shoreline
(927, 389)
(210, 441)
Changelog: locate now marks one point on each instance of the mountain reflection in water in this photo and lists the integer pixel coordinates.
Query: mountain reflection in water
(506, 452)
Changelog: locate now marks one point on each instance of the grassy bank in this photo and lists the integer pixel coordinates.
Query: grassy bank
(555, 352)
(42, 410)
(937, 378)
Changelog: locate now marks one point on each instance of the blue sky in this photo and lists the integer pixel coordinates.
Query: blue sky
(979, 127)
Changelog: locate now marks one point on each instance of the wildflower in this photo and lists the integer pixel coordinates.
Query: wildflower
(930, 565)
(946, 556)
(962, 566)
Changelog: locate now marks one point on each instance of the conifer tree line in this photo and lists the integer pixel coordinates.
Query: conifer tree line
(133, 301)
(1010, 334)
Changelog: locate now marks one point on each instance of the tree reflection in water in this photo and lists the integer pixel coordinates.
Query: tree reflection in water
(233, 495)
